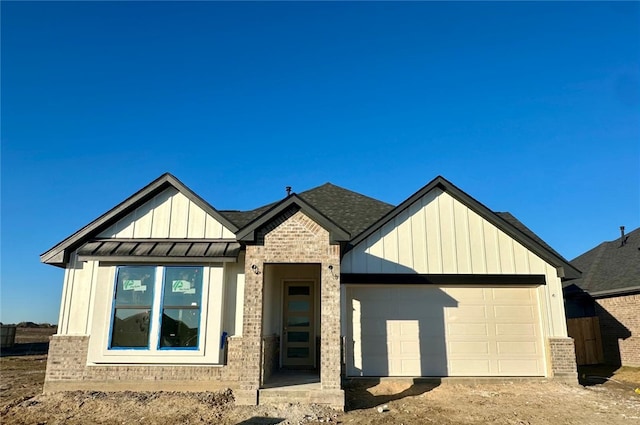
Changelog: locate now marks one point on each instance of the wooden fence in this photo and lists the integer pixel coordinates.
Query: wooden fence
(586, 334)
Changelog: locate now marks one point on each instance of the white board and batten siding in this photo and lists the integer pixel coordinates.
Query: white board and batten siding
(455, 330)
(170, 214)
(438, 234)
(87, 293)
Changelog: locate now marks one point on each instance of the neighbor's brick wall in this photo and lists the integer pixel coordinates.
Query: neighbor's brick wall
(292, 238)
(67, 369)
(620, 328)
(563, 359)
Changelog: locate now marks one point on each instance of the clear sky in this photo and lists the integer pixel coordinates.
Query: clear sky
(532, 108)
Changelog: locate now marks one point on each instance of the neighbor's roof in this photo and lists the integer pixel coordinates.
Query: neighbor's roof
(611, 268)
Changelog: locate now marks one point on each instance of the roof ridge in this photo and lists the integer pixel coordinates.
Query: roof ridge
(345, 190)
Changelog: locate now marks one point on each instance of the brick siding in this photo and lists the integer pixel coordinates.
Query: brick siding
(270, 356)
(620, 328)
(563, 359)
(67, 369)
(291, 238)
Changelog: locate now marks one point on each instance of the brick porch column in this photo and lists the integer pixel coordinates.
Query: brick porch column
(251, 329)
(330, 320)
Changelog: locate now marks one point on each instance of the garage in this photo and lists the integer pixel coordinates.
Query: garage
(453, 330)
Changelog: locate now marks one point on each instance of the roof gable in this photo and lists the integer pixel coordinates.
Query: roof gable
(350, 210)
(248, 233)
(120, 220)
(505, 224)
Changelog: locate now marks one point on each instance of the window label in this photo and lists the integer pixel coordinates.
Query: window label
(183, 286)
(133, 285)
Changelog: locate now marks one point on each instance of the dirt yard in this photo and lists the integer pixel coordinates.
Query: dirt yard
(516, 403)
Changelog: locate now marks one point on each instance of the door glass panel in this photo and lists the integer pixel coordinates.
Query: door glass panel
(298, 305)
(298, 337)
(299, 290)
(298, 352)
(294, 321)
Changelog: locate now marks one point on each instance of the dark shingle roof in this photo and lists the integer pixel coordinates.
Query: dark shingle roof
(350, 210)
(242, 218)
(610, 267)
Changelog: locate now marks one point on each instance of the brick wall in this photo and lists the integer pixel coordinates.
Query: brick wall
(291, 238)
(620, 328)
(270, 356)
(563, 359)
(67, 369)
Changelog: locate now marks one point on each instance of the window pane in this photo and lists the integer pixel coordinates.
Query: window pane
(299, 306)
(135, 286)
(130, 328)
(298, 337)
(299, 290)
(182, 286)
(180, 327)
(298, 352)
(297, 321)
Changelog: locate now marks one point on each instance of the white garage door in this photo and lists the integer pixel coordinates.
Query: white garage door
(400, 330)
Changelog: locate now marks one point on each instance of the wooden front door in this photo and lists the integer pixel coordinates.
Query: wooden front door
(299, 340)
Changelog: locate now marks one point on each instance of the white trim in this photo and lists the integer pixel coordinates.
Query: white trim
(208, 334)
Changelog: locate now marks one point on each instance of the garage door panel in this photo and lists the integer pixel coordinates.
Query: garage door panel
(469, 295)
(528, 329)
(467, 329)
(517, 348)
(468, 367)
(518, 367)
(466, 313)
(515, 295)
(475, 348)
(375, 346)
(409, 348)
(406, 330)
(514, 313)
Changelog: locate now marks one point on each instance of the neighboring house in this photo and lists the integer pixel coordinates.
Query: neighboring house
(610, 289)
(165, 292)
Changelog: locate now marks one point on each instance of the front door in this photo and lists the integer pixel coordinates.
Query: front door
(298, 347)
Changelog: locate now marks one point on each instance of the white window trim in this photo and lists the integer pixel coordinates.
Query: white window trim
(208, 350)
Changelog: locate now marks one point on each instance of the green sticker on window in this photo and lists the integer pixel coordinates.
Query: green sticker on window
(133, 285)
(183, 286)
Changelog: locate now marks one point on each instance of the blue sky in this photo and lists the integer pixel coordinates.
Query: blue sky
(532, 108)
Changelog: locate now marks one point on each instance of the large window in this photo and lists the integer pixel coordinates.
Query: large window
(160, 304)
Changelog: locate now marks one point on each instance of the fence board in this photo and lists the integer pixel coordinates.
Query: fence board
(585, 332)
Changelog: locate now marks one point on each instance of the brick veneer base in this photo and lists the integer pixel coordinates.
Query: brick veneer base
(563, 360)
(67, 369)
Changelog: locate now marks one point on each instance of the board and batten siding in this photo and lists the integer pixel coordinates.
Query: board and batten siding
(86, 308)
(438, 234)
(170, 214)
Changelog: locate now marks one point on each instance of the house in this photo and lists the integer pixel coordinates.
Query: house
(165, 292)
(610, 290)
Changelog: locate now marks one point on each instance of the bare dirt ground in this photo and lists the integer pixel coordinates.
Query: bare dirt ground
(613, 402)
